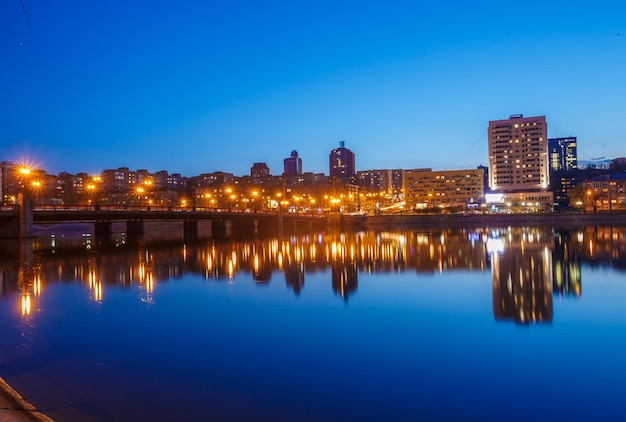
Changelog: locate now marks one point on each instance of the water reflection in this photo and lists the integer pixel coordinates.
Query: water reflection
(528, 266)
(521, 273)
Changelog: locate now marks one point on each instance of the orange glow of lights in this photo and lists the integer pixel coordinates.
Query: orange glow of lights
(26, 305)
(97, 292)
(37, 286)
(231, 269)
(150, 283)
(142, 272)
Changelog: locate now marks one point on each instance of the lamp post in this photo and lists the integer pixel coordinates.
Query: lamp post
(255, 194)
(140, 192)
(590, 199)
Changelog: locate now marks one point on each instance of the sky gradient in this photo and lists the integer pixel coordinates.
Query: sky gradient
(202, 86)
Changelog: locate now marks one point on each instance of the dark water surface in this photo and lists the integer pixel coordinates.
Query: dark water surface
(494, 324)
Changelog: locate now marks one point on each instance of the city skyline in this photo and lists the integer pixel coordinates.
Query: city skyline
(204, 87)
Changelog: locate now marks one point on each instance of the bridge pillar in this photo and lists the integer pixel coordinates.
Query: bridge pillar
(24, 215)
(197, 229)
(190, 229)
(135, 226)
(221, 228)
(103, 228)
(204, 229)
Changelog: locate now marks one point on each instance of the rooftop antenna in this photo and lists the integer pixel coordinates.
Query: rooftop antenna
(26, 14)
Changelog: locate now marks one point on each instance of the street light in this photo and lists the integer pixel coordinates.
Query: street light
(140, 192)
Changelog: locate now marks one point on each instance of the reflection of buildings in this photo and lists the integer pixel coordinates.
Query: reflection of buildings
(533, 263)
(344, 278)
(522, 277)
(566, 267)
(294, 277)
(601, 245)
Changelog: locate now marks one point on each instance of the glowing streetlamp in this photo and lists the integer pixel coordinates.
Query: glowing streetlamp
(140, 192)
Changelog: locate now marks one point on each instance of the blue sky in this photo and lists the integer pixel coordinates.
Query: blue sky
(201, 86)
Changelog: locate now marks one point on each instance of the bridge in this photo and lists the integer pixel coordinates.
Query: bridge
(18, 220)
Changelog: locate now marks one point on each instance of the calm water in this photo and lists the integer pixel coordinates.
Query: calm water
(485, 325)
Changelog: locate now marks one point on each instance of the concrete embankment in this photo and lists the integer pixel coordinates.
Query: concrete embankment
(478, 220)
(13, 408)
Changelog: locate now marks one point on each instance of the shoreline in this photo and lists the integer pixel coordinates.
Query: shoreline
(477, 220)
(13, 407)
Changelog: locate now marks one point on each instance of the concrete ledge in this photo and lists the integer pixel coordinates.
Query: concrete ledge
(496, 220)
(13, 408)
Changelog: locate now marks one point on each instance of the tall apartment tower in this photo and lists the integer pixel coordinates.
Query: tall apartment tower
(293, 164)
(563, 156)
(342, 163)
(518, 154)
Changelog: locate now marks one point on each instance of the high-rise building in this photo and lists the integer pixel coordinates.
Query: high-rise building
(293, 164)
(518, 154)
(563, 155)
(342, 163)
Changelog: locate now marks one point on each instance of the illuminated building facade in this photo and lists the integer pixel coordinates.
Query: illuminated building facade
(563, 156)
(342, 163)
(375, 180)
(424, 188)
(518, 154)
(8, 184)
(605, 193)
(566, 267)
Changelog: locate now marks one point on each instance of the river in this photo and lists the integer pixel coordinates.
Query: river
(460, 324)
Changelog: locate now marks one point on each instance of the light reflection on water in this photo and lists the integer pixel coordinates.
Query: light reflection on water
(145, 312)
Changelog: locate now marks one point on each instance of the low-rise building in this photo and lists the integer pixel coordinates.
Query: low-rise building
(605, 193)
(424, 188)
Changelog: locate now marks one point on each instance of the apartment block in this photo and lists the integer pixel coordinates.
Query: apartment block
(424, 188)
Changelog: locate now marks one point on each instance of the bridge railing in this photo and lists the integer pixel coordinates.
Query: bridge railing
(156, 209)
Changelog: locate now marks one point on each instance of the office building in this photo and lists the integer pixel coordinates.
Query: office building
(563, 155)
(293, 164)
(342, 164)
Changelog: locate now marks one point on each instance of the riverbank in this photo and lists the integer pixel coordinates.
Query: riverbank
(440, 221)
(13, 408)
